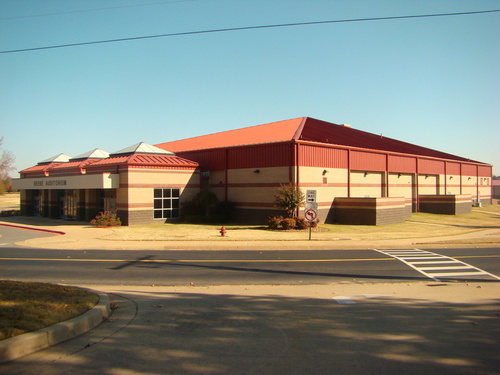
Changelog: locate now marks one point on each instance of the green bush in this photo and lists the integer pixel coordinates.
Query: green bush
(106, 219)
(274, 221)
(288, 223)
(301, 223)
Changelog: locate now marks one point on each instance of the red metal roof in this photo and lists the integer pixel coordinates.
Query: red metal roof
(146, 160)
(280, 131)
(304, 129)
(134, 159)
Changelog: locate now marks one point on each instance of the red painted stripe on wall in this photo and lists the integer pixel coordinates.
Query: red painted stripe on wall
(159, 186)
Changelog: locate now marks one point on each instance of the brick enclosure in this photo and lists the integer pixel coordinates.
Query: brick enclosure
(445, 204)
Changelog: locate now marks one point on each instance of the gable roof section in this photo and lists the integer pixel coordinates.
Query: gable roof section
(280, 131)
(146, 160)
(304, 129)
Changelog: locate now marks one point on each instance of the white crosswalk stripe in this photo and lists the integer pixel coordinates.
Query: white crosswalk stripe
(436, 266)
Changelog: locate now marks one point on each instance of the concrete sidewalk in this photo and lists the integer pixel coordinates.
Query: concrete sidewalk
(343, 328)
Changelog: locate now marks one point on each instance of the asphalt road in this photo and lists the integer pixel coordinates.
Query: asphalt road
(167, 268)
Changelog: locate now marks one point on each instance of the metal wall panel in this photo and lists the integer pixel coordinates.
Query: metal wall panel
(431, 166)
(402, 164)
(452, 168)
(484, 171)
(368, 161)
(214, 159)
(260, 156)
(323, 157)
(469, 170)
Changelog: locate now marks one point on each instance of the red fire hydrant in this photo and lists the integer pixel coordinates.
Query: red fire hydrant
(223, 231)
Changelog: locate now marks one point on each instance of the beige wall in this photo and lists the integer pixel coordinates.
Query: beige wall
(469, 186)
(367, 184)
(401, 185)
(452, 185)
(136, 186)
(328, 185)
(428, 184)
(246, 186)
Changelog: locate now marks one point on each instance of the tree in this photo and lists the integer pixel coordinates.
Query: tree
(289, 197)
(6, 161)
(205, 199)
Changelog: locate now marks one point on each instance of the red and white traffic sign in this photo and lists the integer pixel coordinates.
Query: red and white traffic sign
(311, 215)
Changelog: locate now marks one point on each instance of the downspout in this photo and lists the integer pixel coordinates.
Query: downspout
(445, 177)
(477, 186)
(297, 167)
(348, 173)
(417, 201)
(460, 178)
(226, 175)
(386, 190)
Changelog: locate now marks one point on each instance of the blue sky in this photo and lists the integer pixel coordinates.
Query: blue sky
(432, 81)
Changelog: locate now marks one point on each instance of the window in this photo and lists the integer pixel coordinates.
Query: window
(166, 203)
(106, 199)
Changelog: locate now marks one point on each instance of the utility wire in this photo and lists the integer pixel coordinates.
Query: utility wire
(248, 28)
(93, 10)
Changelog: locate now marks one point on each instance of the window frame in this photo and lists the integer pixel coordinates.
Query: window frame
(166, 203)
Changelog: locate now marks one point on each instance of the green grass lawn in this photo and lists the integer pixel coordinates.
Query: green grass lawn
(26, 306)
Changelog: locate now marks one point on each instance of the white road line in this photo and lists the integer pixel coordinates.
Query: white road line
(439, 262)
(448, 274)
(344, 300)
(445, 268)
(349, 300)
(418, 259)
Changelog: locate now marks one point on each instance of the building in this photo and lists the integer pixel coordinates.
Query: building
(356, 177)
(495, 189)
(141, 183)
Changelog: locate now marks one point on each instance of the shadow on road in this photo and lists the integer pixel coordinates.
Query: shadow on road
(191, 333)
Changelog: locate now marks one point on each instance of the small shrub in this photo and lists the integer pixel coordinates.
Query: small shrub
(274, 221)
(301, 223)
(106, 219)
(288, 223)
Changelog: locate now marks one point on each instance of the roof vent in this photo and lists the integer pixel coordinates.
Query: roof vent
(141, 148)
(346, 125)
(61, 158)
(93, 154)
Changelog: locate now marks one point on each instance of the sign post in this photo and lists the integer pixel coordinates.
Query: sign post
(311, 215)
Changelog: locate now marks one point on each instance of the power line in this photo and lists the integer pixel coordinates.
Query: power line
(93, 10)
(248, 28)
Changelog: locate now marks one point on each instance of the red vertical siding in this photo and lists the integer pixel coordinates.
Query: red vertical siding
(323, 157)
(402, 164)
(260, 156)
(469, 170)
(368, 161)
(484, 171)
(207, 159)
(431, 166)
(452, 168)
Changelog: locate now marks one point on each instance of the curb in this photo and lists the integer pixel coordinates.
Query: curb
(31, 228)
(22, 345)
